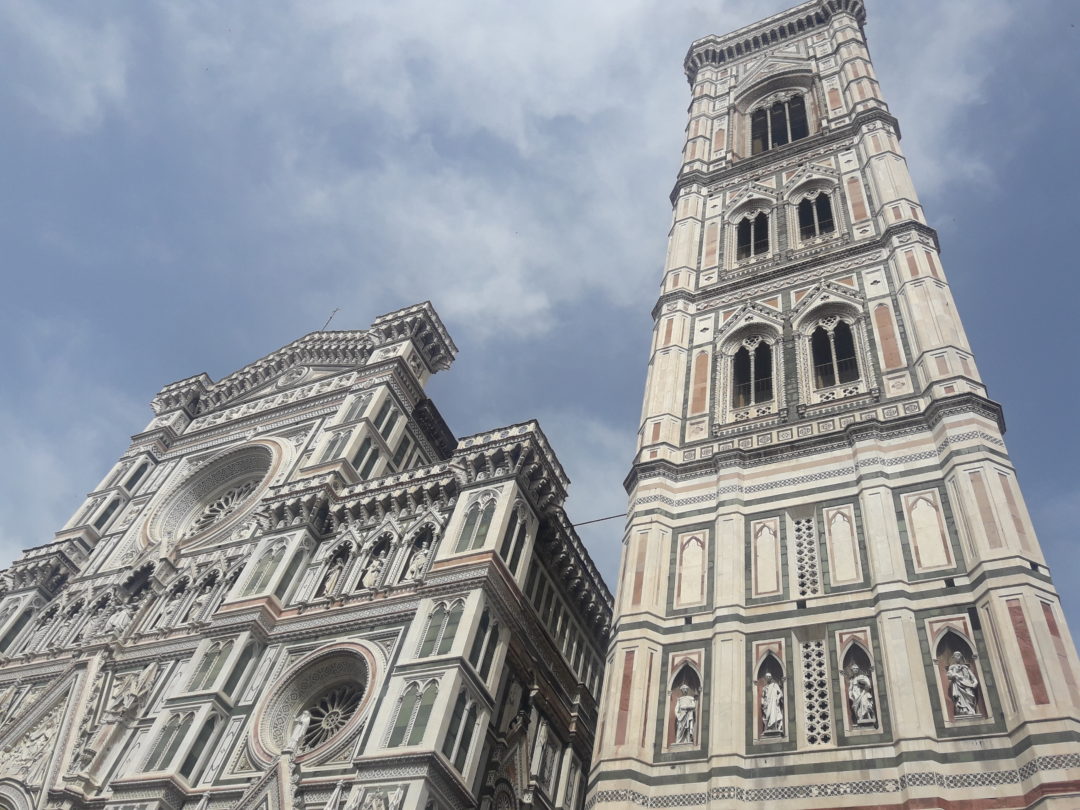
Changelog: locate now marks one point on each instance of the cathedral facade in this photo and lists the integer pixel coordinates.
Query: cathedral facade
(298, 589)
(831, 594)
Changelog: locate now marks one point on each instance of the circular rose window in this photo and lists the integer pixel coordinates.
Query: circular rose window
(214, 495)
(316, 704)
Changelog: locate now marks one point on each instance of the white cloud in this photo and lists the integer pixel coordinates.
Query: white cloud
(70, 72)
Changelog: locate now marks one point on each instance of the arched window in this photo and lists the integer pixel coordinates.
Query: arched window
(356, 407)
(441, 628)
(478, 642)
(489, 651)
(136, 476)
(157, 755)
(365, 458)
(335, 446)
(240, 668)
(460, 732)
(752, 236)
(514, 541)
(423, 714)
(434, 630)
(406, 709)
(201, 743)
(413, 714)
(265, 568)
(109, 511)
(815, 217)
(752, 374)
(832, 347)
(778, 124)
(477, 521)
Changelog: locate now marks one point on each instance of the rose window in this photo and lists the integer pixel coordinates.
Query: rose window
(214, 495)
(318, 705)
(330, 713)
(221, 507)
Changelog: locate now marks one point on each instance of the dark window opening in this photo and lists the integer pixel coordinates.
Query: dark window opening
(752, 236)
(833, 356)
(752, 376)
(780, 124)
(816, 217)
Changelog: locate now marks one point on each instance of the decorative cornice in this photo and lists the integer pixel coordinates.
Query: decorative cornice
(718, 50)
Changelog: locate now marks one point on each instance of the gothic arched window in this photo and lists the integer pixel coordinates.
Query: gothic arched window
(365, 458)
(832, 348)
(477, 521)
(443, 624)
(460, 732)
(780, 123)
(200, 746)
(752, 236)
(514, 541)
(815, 217)
(752, 374)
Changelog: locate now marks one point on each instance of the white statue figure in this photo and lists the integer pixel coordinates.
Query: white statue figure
(129, 699)
(396, 796)
(375, 800)
(120, 619)
(772, 706)
(353, 802)
(299, 729)
(374, 570)
(172, 602)
(861, 697)
(685, 716)
(963, 687)
(333, 574)
(7, 698)
(194, 611)
(419, 561)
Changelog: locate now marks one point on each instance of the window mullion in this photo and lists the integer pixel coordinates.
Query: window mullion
(787, 121)
(832, 358)
(753, 379)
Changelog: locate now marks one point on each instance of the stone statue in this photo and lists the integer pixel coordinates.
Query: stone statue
(396, 796)
(374, 570)
(685, 716)
(165, 617)
(772, 706)
(419, 561)
(120, 619)
(195, 609)
(963, 687)
(299, 729)
(333, 575)
(376, 800)
(8, 698)
(861, 697)
(353, 802)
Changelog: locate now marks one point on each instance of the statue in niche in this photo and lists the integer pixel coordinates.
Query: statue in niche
(685, 717)
(375, 800)
(172, 602)
(861, 697)
(374, 570)
(299, 729)
(772, 706)
(195, 609)
(8, 698)
(333, 576)
(963, 687)
(395, 798)
(120, 619)
(419, 561)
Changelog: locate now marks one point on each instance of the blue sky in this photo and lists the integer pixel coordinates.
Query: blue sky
(187, 187)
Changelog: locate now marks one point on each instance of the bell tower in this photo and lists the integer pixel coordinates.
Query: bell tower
(831, 593)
